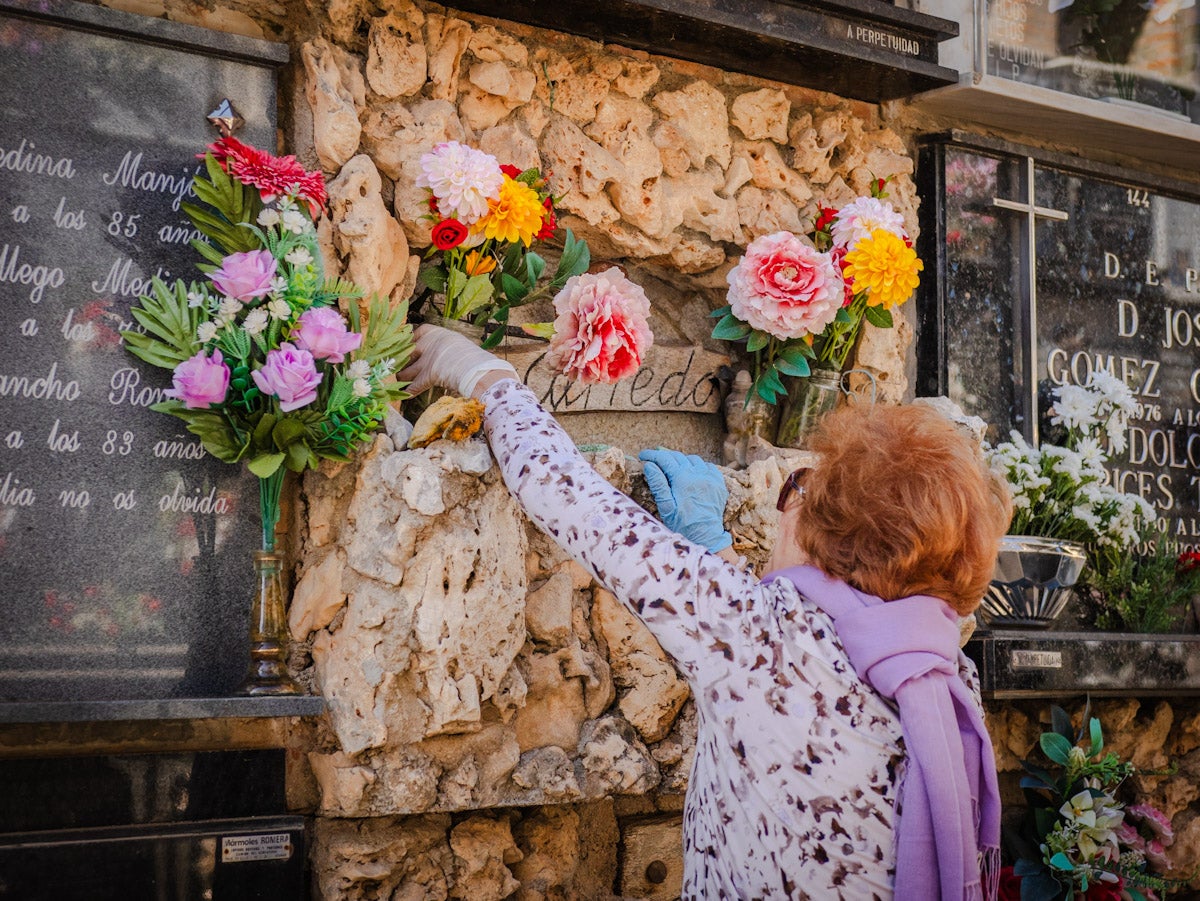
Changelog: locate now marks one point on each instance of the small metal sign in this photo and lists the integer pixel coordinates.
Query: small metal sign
(270, 846)
(1036, 659)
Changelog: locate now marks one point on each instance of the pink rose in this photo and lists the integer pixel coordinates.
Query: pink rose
(200, 381)
(322, 331)
(246, 275)
(289, 374)
(785, 287)
(600, 330)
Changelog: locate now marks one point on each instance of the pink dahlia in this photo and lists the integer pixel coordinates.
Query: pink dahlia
(856, 220)
(785, 287)
(600, 331)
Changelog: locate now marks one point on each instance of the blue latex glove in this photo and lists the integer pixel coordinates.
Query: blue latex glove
(690, 494)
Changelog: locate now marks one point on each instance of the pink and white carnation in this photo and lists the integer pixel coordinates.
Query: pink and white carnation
(601, 333)
(200, 381)
(785, 287)
(246, 276)
(857, 219)
(462, 180)
(322, 331)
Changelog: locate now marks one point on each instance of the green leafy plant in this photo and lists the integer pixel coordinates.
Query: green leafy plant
(1143, 592)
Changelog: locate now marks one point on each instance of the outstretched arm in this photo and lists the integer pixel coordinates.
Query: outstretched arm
(696, 604)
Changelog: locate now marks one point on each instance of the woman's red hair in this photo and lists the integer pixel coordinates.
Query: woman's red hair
(902, 503)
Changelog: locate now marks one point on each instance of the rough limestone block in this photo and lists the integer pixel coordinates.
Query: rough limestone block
(333, 87)
(582, 170)
(694, 202)
(490, 44)
(364, 231)
(318, 596)
(343, 782)
(653, 692)
(765, 212)
(700, 114)
(395, 136)
(550, 841)
(762, 115)
(549, 771)
(400, 859)
(637, 78)
(548, 610)
(482, 849)
(446, 40)
(554, 709)
(674, 149)
(397, 64)
(768, 170)
(614, 759)
(510, 144)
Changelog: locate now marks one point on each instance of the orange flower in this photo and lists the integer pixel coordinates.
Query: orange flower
(476, 264)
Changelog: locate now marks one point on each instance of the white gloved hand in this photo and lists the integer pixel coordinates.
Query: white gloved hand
(445, 358)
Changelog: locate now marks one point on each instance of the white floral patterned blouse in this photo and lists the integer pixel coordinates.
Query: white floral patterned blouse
(794, 785)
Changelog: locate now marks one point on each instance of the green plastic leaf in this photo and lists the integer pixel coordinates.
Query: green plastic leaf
(534, 267)
(730, 329)
(456, 280)
(1060, 722)
(433, 278)
(843, 316)
(262, 431)
(880, 317)
(514, 289)
(287, 432)
(771, 379)
(476, 293)
(265, 465)
(721, 313)
(794, 367)
(574, 260)
(757, 341)
(1060, 861)
(797, 353)
(1097, 738)
(539, 329)
(1056, 747)
(1026, 867)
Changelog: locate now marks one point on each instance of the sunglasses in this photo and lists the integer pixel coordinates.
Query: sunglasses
(791, 485)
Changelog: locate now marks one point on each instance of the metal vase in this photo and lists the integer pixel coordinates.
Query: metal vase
(1033, 581)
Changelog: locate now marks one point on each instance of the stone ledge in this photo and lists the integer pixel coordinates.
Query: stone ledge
(159, 709)
(1021, 664)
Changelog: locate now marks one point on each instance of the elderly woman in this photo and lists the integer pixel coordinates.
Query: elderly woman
(841, 751)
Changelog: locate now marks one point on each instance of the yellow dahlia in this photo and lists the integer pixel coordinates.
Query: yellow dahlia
(885, 266)
(515, 215)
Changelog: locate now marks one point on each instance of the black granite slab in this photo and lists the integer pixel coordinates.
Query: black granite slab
(125, 551)
(1020, 664)
(149, 826)
(863, 49)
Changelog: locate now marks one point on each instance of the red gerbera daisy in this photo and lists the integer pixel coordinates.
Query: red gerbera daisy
(310, 187)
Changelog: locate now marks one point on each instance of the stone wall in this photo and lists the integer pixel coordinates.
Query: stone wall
(498, 726)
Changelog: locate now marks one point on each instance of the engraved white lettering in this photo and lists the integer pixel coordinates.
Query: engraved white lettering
(40, 277)
(129, 174)
(125, 390)
(179, 501)
(48, 387)
(13, 495)
(118, 280)
(62, 443)
(23, 159)
(69, 219)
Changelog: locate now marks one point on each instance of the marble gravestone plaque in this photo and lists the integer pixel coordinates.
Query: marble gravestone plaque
(1116, 278)
(125, 550)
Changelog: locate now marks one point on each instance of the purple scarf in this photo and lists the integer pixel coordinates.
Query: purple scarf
(948, 836)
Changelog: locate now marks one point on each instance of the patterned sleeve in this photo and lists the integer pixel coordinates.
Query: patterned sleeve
(698, 607)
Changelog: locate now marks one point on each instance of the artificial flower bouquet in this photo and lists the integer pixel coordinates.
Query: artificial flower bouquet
(799, 303)
(1145, 592)
(1078, 840)
(266, 369)
(485, 218)
(1063, 491)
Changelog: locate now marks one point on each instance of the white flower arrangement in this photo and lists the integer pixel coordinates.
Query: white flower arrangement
(1063, 491)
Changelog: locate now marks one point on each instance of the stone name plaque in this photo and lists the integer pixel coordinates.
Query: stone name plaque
(678, 379)
(125, 551)
(1115, 288)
